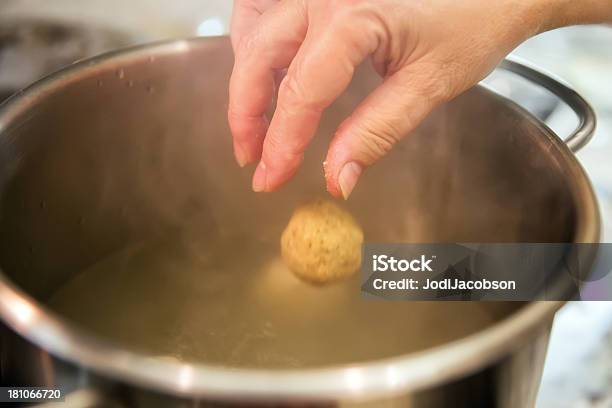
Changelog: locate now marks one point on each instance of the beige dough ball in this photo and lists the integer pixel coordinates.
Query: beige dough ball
(322, 242)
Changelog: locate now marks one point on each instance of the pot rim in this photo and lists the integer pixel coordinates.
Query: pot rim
(389, 376)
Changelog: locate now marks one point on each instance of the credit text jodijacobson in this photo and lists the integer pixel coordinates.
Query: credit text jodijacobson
(384, 263)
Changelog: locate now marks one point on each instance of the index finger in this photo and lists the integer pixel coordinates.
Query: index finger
(320, 72)
(270, 46)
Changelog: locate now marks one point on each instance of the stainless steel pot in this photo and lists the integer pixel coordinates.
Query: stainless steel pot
(133, 144)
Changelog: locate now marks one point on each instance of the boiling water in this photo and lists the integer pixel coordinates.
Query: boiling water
(234, 303)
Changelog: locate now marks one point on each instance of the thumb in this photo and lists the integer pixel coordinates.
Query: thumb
(389, 113)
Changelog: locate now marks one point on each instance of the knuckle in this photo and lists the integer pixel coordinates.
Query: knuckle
(345, 13)
(440, 84)
(433, 82)
(257, 5)
(434, 86)
(282, 152)
(287, 146)
(293, 94)
(347, 4)
(291, 88)
(446, 83)
(249, 43)
(377, 139)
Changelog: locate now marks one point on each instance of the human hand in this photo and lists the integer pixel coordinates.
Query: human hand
(427, 52)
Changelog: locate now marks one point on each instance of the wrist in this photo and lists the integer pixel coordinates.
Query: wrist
(562, 13)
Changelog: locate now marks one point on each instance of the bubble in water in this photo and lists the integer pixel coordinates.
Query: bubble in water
(100, 83)
(150, 89)
(130, 83)
(151, 59)
(81, 220)
(43, 204)
(120, 74)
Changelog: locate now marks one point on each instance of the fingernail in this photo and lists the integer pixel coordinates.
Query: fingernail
(259, 179)
(240, 155)
(348, 178)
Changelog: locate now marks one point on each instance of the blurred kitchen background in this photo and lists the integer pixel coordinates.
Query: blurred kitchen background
(39, 36)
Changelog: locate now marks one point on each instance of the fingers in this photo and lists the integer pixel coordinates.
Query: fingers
(268, 47)
(321, 54)
(244, 17)
(381, 120)
(319, 73)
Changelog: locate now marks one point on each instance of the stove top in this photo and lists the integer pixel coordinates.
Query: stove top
(31, 49)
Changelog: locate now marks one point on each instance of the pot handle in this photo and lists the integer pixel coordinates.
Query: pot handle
(586, 115)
